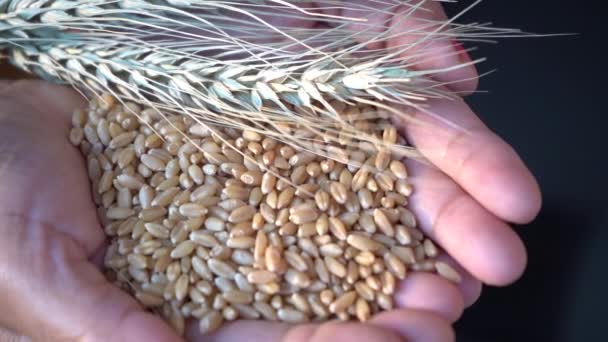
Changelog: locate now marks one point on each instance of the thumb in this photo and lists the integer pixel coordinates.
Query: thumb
(51, 292)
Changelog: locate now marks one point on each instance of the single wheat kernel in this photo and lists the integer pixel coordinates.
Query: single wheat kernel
(192, 210)
(383, 223)
(220, 268)
(267, 311)
(243, 257)
(388, 283)
(327, 297)
(210, 322)
(157, 230)
(230, 313)
(183, 249)
(296, 261)
(240, 242)
(116, 213)
(382, 159)
(338, 192)
(395, 265)
(203, 238)
(322, 225)
(430, 249)
(447, 271)
(238, 297)
(291, 315)
(337, 228)
(384, 301)
(274, 260)
(335, 267)
(364, 291)
(285, 198)
(149, 300)
(247, 311)
(297, 278)
(300, 302)
(331, 250)
(303, 216)
(362, 242)
(343, 302)
(261, 277)
(242, 214)
(398, 169)
(322, 200)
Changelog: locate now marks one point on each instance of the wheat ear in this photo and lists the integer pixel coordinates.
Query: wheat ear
(206, 59)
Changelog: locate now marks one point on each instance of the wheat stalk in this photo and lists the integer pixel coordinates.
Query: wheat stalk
(205, 59)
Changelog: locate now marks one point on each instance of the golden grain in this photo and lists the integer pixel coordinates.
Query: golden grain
(220, 268)
(203, 238)
(448, 272)
(383, 223)
(274, 260)
(338, 192)
(242, 214)
(280, 233)
(335, 267)
(210, 322)
(267, 311)
(430, 249)
(291, 315)
(192, 210)
(343, 302)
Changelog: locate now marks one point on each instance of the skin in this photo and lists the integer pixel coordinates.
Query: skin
(51, 287)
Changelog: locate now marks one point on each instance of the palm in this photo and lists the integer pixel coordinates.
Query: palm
(50, 182)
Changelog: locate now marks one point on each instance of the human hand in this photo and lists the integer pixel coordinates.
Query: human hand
(52, 245)
(51, 286)
(478, 185)
(475, 185)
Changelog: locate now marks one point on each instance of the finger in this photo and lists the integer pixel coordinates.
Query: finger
(419, 34)
(54, 294)
(333, 331)
(431, 48)
(477, 159)
(415, 325)
(483, 244)
(397, 325)
(429, 292)
(10, 336)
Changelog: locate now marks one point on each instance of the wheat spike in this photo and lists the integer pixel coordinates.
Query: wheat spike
(225, 64)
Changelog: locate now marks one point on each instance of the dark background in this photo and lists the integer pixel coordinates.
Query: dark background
(547, 99)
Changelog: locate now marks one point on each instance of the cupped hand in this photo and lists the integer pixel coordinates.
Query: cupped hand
(52, 242)
(475, 185)
(51, 284)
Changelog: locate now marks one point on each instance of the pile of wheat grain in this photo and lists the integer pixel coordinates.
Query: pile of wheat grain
(230, 224)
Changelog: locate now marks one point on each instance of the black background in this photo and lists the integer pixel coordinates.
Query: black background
(548, 100)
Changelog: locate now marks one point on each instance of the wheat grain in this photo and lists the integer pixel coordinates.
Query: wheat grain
(242, 237)
(447, 271)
